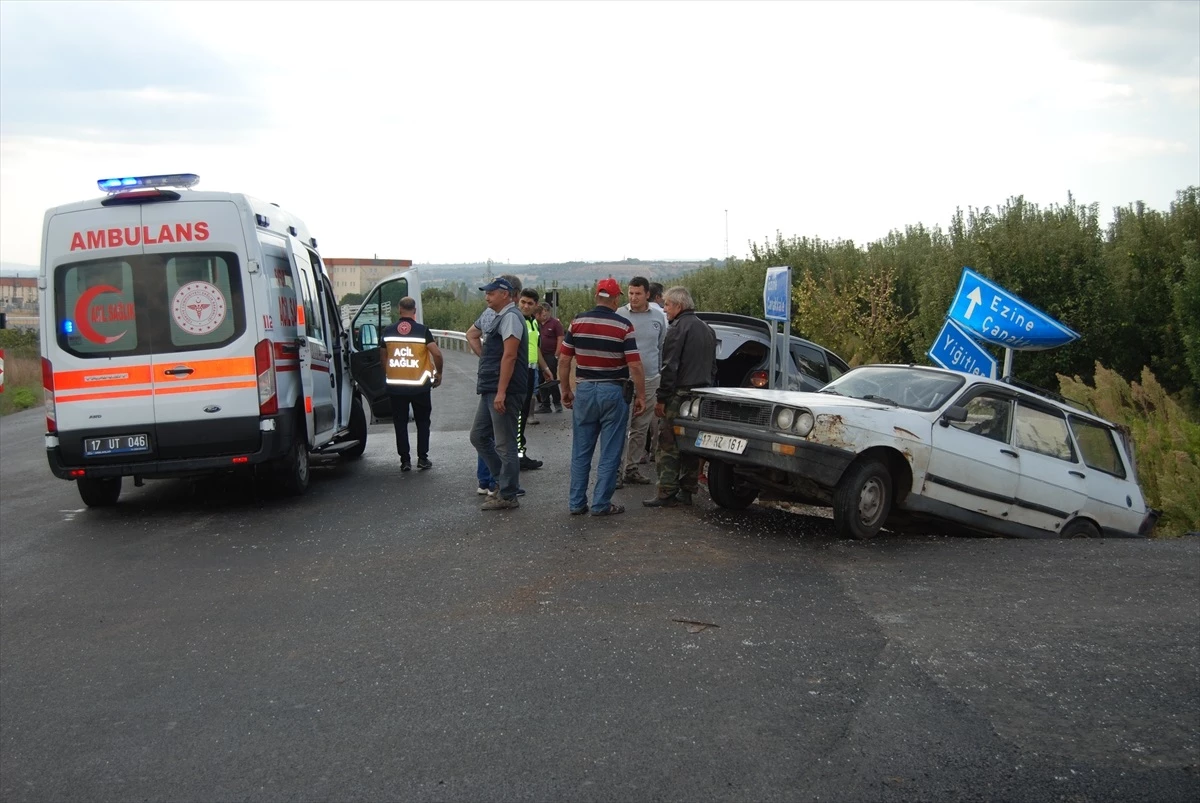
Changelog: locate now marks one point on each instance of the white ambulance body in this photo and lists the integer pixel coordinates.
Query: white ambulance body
(185, 333)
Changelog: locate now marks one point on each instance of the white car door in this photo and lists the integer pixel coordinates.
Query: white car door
(972, 464)
(1053, 485)
(1114, 499)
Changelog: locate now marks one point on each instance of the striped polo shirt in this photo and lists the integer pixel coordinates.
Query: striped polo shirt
(602, 343)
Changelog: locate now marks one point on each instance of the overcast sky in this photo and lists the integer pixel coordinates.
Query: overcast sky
(548, 132)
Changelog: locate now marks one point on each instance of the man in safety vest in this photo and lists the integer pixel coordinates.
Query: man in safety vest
(412, 365)
(528, 302)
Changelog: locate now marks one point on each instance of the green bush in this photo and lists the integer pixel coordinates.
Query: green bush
(23, 399)
(20, 342)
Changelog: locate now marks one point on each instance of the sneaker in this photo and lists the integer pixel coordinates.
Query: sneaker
(500, 503)
(494, 491)
(483, 490)
(557, 408)
(542, 409)
(520, 492)
(529, 464)
(579, 511)
(662, 501)
(633, 478)
(405, 465)
(423, 463)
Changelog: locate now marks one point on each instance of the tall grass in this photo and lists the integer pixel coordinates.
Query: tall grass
(22, 370)
(1166, 441)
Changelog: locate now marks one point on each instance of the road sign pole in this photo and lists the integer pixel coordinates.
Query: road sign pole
(1008, 357)
(777, 307)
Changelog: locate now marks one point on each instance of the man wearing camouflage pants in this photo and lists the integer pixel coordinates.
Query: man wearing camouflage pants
(689, 360)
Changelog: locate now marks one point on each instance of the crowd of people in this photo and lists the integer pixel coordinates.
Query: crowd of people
(622, 369)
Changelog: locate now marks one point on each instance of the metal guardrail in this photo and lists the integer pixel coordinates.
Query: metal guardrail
(450, 339)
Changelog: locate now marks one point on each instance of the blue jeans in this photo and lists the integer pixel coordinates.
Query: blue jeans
(486, 480)
(600, 412)
(494, 436)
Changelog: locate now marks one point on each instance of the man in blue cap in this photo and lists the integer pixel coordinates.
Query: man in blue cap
(502, 385)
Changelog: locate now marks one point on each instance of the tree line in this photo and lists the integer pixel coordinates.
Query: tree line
(1131, 288)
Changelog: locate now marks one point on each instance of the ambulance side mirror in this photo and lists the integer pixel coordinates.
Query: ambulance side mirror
(367, 337)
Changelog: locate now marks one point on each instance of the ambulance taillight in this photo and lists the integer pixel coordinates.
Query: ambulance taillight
(48, 396)
(264, 366)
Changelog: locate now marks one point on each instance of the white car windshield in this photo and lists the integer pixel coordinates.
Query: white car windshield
(899, 386)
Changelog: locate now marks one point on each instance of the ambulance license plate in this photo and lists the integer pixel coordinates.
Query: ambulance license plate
(723, 443)
(108, 445)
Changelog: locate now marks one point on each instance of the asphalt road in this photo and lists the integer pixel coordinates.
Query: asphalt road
(383, 639)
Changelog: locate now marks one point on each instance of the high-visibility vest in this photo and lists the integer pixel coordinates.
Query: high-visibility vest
(531, 325)
(407, 362)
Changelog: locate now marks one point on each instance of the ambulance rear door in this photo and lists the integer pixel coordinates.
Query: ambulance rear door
(97, 336)
(205, 386)
(316, 361)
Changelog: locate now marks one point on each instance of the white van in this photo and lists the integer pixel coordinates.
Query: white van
(185, 333)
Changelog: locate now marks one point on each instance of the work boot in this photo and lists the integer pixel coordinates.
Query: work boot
(634, 478)
(500, 503)
(684, 497)
(662, 501)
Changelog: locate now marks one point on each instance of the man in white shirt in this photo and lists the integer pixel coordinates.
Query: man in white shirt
(650, 329)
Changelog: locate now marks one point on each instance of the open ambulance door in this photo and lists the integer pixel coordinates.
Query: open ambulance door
(379, 310)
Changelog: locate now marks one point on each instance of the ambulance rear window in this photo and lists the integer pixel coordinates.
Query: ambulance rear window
(147, 304)
(97, 308)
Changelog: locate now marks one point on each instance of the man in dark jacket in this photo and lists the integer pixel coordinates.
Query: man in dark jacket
(689, 360)
(502, 384)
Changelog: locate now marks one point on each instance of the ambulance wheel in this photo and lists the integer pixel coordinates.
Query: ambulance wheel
(101, 492)
(292, 469)
(358, 430)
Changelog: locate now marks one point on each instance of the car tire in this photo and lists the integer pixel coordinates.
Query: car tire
(1079, 528)
(99, 492)
(862, 500)
(292, 470)
(357, 431)
(725, 489)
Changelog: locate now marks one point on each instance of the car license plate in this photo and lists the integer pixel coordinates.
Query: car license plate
(723, 443)
(108, 445)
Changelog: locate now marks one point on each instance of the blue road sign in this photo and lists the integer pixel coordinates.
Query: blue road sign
(958, 351)
(777, 294)
(993, 315)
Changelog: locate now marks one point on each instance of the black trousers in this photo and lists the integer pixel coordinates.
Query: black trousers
(523, 419)
(554, 394)
(422, 406)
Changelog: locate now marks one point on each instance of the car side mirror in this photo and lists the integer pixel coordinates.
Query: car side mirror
(954, 414)
(368, 337)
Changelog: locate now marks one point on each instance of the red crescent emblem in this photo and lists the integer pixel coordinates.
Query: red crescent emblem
(81, 320)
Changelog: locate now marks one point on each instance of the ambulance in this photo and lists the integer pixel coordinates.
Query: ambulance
(186, 332)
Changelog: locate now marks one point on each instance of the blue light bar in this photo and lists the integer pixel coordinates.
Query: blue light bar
(185, 180)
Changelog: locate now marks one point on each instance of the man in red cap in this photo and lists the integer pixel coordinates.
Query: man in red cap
(603, 346)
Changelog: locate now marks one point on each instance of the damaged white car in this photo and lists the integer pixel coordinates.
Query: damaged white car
(897, 444)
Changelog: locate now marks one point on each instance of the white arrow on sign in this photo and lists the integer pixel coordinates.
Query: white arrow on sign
(976, 298)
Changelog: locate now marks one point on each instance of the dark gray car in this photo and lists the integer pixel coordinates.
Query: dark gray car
(744, 351)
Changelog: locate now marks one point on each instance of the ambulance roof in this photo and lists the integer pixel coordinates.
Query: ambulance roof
(278, 220)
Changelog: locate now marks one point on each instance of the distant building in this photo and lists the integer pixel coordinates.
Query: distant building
(360, 275)
(18, 291)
